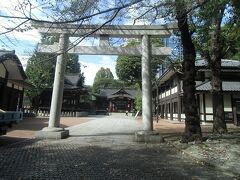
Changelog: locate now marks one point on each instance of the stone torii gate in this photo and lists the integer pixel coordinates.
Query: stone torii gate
(104, 33)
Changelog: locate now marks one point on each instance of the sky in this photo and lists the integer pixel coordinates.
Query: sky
(92, 63)
(24, 43)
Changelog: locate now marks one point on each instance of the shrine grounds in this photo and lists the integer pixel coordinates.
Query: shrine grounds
(102, 147)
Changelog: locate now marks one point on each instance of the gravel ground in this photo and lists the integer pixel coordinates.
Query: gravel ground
(219, 151)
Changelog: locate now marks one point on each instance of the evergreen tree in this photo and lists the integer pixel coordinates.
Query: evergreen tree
(41, 67)
(128, 68)
(103, 79)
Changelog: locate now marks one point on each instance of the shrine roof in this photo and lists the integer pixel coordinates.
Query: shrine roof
(114, 92)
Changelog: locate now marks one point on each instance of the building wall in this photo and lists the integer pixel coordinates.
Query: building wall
(209, 108)
(168, 101)
(227, 103)
(170, 92)
(11, 97)
(10, 100)
(2, 71)
(12, 78)
(208, 103)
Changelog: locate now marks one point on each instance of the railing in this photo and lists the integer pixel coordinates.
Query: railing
(7, 119)
(10, 116)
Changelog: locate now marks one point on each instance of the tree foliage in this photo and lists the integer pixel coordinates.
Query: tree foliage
(40, 73)
(138, 101)
(41, 67)
(103, 79)
(232, 41)
(216, 38)
(73, 66)
(227, 14)
(103, 73)
(231, 32)
(128, 68)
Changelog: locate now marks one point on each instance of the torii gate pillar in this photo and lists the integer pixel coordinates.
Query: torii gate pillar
(147, 135)
(146, 85)
(54, 131)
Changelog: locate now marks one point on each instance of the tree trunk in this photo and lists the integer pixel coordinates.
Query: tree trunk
(192, 121)
(219, 124)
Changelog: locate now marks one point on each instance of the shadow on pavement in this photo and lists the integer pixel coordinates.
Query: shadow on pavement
(5, 140)
(56, 160)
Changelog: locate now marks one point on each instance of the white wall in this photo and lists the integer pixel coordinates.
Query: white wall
(168, 92)
(209, 109)
(208, 102)
(227, 103)
(174, 90)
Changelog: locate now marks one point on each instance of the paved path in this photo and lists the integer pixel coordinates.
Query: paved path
(113, 124)
(100, 158)
(100, 149)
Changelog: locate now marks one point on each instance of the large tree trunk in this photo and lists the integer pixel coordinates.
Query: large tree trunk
(192, 121)
(219, 124)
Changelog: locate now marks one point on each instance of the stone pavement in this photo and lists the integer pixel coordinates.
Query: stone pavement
(28, 126)
(102, 153)
(113, 124)
(98, 157)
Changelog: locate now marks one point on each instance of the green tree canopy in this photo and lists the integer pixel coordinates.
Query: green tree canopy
(40, 73)
(231, 33)
(128, 68)
(103, 73)
(103, 79)
(41, 67)
(215, 38)
(138, 101)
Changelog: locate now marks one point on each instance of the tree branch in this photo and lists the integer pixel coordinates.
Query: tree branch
(73, 20)
(14, 28)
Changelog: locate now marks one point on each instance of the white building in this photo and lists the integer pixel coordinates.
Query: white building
(169, 93)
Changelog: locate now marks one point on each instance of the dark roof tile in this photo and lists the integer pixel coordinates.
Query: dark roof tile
(225, 63)
(113, 92)
(226, 85)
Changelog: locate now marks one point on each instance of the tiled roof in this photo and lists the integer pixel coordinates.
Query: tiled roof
(225, 63)
(111, 93)
(72, 81)
(226, 85)
(12, 64)
(3, 52)
(202, 65)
